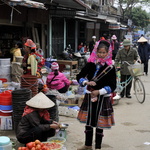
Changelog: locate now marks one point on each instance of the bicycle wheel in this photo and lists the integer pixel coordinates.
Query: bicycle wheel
(139, 90)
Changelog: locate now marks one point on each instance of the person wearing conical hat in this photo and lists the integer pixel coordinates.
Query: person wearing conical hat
(130, 55)
(144, 52)
(35, 122)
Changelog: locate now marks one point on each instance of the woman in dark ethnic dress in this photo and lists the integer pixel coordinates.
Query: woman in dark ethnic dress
(99, 77)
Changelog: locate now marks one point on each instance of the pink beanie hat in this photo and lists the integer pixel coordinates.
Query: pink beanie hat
(54, 66)
(114, 37)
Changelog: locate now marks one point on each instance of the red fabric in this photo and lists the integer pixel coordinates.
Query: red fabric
(40, 59)
(112, 44)
(42, 112)
(80, 46)
(30, 43)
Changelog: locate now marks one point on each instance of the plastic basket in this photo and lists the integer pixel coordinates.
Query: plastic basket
(136, 69)
(51, 145)
(57, 140)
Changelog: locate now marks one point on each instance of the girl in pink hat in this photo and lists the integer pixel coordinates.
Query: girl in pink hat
(115, 46)
(96, 111)
(57, 80)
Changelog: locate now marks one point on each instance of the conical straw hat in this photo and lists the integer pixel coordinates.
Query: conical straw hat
(77, 54)
(142, 39)
(40, 101)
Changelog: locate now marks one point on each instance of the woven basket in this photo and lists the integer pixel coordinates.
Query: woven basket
(136, 69)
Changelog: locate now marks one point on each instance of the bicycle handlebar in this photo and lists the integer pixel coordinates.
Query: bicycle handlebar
(126, 63)
(129, 63)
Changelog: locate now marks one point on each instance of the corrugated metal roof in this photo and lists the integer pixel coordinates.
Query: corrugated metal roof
(75, 4)
(26, 3)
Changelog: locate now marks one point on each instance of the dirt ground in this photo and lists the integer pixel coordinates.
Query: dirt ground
(131, 130)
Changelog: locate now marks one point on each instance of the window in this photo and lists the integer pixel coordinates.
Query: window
(103, 2)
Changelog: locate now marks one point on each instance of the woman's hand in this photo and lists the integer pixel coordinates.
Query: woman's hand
(54, 122)
(94, 93)
(91, 83)
(55, 126)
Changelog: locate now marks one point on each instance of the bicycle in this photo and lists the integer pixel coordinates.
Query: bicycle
(138, 86)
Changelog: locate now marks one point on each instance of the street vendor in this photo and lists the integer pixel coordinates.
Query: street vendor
(29, 61)
(36, 122)
(57, 80)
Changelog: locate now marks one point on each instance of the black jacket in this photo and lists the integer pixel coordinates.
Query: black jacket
(108, 80)
(32, 120)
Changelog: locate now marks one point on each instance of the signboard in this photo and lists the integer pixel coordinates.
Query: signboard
(97, 25)
(114, 26)
(129, 22)
(129, 37)
(90, 25)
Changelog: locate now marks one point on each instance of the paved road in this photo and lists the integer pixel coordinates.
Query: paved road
(131, 131)
(132, 128)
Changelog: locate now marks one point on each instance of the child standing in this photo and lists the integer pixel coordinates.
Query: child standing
(57, 80)
(99, 76)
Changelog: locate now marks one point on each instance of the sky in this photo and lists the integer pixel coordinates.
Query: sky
(146, 8)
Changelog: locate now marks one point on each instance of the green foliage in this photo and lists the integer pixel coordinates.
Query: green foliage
(140, 17)
(132, 9)
(126, 6)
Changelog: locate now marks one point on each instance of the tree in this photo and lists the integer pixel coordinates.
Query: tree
(126, 6)
(139, 17)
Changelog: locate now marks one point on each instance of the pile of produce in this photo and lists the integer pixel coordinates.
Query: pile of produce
(38, 145)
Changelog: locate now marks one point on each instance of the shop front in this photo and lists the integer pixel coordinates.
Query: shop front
(18, 23)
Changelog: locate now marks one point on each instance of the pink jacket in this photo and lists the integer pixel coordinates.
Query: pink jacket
(58, 82)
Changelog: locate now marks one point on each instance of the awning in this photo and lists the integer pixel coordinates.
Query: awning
(111, 20)
(85, 18)
(122, 25)
(76, 4)
(101, 17)
(123, 28)
(26, 3)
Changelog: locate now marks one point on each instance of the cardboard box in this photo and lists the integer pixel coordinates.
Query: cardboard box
(72, 101)
(6, 123)
(79, 99)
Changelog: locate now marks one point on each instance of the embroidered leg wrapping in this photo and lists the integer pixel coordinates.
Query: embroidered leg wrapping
(98, 138)
(88, 135)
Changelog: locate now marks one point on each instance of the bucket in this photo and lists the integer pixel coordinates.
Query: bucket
(1, 85)
(19, 98)
(6, 98)
(53, 110)
(5, 61)
(7, 76)
(5, 143)
(30, 82)
(5, 113)
(19, 59)
(5, 70)
(3, 80)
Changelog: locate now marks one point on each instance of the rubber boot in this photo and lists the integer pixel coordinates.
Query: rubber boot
(88, 139)
(88, 135)
(98, 138)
